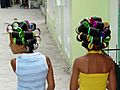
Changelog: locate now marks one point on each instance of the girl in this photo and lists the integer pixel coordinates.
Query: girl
(32, 68)
(95, 70)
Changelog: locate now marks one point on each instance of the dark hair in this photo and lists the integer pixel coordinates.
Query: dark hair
(93, 33)
(25, 33)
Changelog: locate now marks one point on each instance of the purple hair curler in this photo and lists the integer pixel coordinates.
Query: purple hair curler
(98, 24)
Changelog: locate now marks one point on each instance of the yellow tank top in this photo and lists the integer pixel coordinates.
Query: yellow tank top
(93, 81)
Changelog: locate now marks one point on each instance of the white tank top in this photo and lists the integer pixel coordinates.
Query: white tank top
(31, 71)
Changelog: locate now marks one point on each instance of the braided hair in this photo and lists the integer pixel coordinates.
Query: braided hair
(93, 33)
(25, 33)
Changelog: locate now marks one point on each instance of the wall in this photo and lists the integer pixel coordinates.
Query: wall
(51, 16)
(59, 25)
(114, 27)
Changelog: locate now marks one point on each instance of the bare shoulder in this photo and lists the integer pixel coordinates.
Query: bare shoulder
(81, 63)
(80, 59)
(13, 61)
(13, 64)
(48, 61)
(109, 62)
(109, 59)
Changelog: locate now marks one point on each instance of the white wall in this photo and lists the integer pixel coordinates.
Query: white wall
(114, 25)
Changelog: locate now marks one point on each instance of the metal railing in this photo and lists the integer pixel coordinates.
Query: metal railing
(117, 63)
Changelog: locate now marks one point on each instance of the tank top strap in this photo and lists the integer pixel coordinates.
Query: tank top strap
(99, 52)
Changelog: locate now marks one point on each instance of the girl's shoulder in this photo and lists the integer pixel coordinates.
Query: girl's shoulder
(13, 60)
(80, 60)
(13, 64)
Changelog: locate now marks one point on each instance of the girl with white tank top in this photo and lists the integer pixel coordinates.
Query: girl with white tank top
(33, 69)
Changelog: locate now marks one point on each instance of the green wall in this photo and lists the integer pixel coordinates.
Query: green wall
(80, 10)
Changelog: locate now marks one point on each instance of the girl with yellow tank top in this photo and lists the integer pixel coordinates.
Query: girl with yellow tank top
(95, 70)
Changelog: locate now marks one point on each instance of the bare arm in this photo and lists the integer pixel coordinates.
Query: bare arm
(74, 77)
(50, 76)
(13, 64)
(112, 78)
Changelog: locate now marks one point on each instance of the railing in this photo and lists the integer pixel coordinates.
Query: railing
(117, 64)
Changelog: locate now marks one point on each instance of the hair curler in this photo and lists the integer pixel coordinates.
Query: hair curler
(86, 24)
(18, 41)
(15, 25)
(37, 32)
(107, 39)
(107, 32)
(27, 21)
(102, 45)
(93, 31)
(85, 20)
(90, 45)
(31, 42)
(16, 34)
(82, 28)
(97, 40)
(23, 25)
(84, 37)
(98, 24)
(32, 26)
(85, 44)
(78, 38)
(92, 19)
(9, 28)
(28, 34)
(106, 25)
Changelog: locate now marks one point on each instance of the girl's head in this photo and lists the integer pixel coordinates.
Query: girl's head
(24, 36)
(93, 33)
